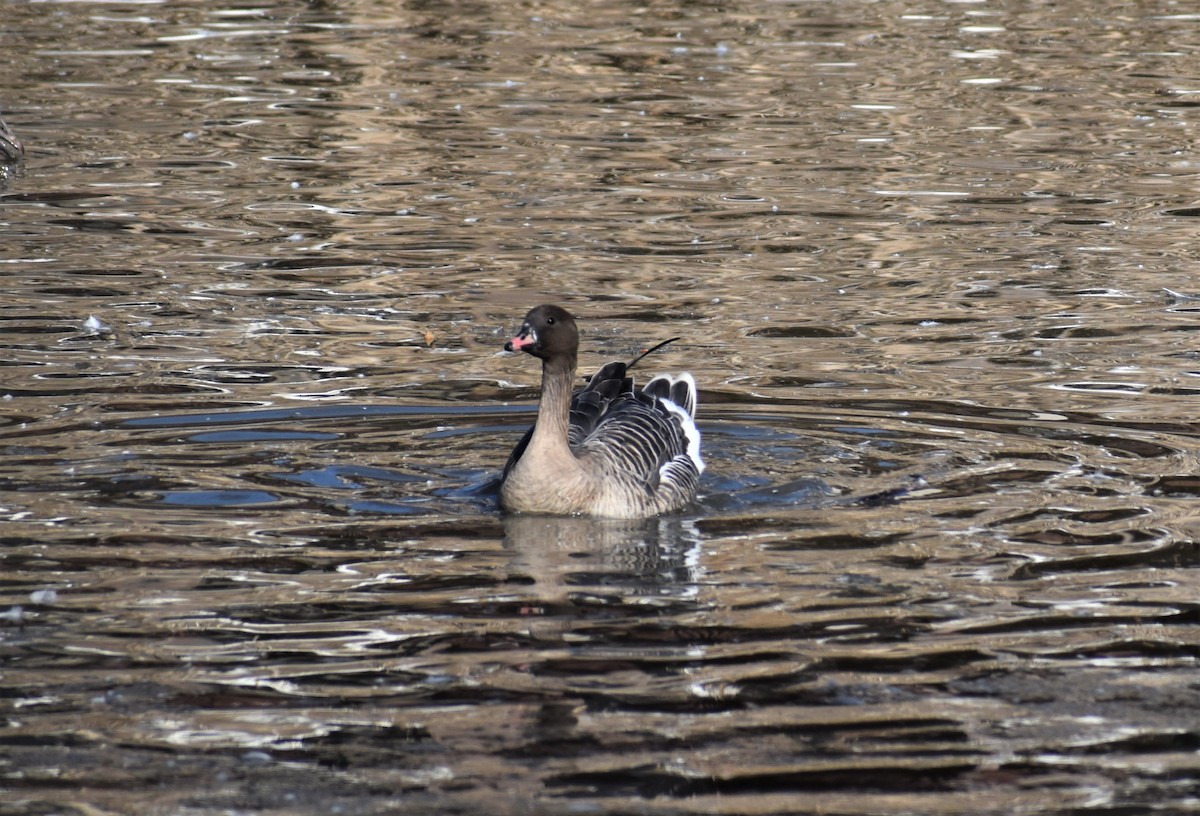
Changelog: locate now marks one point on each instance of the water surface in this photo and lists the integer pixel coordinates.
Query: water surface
(932, 266)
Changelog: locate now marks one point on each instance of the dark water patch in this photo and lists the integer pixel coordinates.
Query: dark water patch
(389, 507)
(1171, 554)
(260, 436)
(94, 389)
(219, 498)
(865, 775)
(1175, 486)
(310, 413)
(1105, 516)
(799, 332)
(839, 542)
(346, 477)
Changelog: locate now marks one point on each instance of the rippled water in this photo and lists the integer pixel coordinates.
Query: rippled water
(933, 268)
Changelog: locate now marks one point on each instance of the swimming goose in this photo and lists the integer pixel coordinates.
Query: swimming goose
(607, 450)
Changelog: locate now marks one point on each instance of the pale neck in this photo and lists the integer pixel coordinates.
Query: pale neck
(554, 406)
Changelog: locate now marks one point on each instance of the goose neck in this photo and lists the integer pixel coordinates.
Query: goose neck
(554, 407)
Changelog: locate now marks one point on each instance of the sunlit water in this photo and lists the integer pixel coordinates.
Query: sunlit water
(932, 266)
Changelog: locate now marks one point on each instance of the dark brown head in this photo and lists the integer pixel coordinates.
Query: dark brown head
(548, 332)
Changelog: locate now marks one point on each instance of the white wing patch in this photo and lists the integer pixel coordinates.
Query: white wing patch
(690, 432)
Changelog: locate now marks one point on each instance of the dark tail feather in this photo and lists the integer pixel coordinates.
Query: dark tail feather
(648, 352)
(635, 360)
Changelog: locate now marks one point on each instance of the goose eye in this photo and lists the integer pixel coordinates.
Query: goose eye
(549, 321)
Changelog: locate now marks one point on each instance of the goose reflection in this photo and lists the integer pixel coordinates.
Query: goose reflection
(11, 148)
(641, 560)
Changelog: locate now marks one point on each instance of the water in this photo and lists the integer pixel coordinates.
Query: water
(933, 269)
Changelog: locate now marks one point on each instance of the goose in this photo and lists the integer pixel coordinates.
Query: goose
(607, 450)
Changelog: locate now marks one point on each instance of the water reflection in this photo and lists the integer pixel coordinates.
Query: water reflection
(640, 561)
(11, 150)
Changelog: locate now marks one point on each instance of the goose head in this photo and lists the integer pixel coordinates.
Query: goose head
(547, 332)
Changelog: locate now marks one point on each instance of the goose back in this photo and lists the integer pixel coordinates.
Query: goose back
(647, 447)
